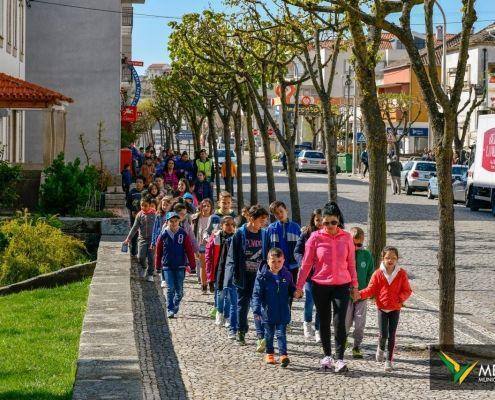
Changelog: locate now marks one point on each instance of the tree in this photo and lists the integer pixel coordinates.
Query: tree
(401, 111)
(443, 106)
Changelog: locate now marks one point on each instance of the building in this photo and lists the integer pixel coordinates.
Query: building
(77, 49)
(153, 71)
(20, 99)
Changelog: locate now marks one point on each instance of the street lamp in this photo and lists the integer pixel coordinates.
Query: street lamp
(444, 47)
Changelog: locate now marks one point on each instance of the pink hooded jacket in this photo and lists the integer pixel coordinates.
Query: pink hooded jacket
(332, 257)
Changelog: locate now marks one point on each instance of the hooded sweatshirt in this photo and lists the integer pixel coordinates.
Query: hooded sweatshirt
(144, 224)
(285, 235)
(332, 257)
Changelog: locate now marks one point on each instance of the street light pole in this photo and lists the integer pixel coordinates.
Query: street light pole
(444, 47)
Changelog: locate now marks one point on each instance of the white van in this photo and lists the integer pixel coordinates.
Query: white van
(480, 187)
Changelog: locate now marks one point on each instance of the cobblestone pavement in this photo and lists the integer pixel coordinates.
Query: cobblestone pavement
(189, 357)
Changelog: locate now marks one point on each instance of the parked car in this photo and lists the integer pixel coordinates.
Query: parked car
(222, 154)
(308, 145)
(311, 160)
(416, 174)
(221, 143)
(458, 171)
(300, 147)
(459, 188)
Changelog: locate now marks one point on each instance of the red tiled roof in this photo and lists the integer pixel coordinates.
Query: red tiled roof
(21, 93)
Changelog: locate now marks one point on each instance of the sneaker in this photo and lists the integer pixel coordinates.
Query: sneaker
(261, 345)
(270, 359)
(170, 314)
(357, 353)
(232, 335)
(317, 337)
(149, 278)
(213, 313)
(284, 361)
(226, 324)
(219, 319)
(380, 354)
(142, 272)
(327, 362)
(340, 366)
(163, 284)
(308, 330)
(388, 366)
(241, 338)
(204, 290)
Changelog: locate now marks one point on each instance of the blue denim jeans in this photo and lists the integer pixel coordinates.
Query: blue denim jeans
(309, 304)
(222, 301)
(243, 301)
(175, 287)
(231, 312)
(278, 330)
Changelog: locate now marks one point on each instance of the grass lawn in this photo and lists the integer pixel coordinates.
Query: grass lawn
(39, 341)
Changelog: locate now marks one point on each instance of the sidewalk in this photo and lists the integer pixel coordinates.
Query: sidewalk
(189, 357)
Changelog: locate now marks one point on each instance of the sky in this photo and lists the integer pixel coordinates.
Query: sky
(151, 33)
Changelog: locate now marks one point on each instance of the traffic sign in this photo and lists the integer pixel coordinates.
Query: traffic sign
(360, 138)
(137, 63)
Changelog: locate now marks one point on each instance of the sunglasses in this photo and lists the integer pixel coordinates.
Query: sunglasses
(328, 223)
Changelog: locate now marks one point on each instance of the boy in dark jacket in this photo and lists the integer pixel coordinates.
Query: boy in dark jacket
(273, 289)
(174, 253)
(133, 202)
(126, 179)
(202, 188)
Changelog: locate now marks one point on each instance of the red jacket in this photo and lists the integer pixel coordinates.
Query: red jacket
(212, 253)
(391, 293)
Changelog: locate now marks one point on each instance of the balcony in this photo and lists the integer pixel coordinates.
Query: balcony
(127, 16)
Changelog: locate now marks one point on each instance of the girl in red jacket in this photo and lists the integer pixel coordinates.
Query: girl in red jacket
(390, 287)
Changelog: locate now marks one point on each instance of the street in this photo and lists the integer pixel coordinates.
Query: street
(190, 357)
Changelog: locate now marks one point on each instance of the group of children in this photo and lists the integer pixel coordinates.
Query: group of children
(249, 264)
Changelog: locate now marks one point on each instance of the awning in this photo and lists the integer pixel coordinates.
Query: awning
(16, 93)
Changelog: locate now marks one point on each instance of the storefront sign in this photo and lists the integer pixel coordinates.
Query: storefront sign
(488, 160)
(129, 114)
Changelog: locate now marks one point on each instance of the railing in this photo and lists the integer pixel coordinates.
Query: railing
(127, 16)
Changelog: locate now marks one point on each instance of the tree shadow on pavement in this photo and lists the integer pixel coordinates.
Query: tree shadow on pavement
(159, 363)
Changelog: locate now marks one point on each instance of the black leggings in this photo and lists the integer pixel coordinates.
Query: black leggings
(326, 298)
(387, 323)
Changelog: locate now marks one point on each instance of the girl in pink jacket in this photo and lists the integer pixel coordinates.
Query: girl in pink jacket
(330, 252)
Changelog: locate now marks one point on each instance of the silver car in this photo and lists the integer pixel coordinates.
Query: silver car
(311, 160)
(416, 175)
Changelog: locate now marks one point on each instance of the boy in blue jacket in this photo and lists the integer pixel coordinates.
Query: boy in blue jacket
(174, 253)
(284, 235)
(273, 289)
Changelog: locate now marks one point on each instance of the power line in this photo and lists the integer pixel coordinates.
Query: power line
(100, 9)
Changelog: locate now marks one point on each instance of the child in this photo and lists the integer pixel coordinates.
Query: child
(284, 235)
(356, 311)
(126, 179)
(143, 223)
(200, 222)
(216, 256)
(163, 208)
(224, 209)
(132, 202)
(174, 252)
(246, 255)
(202, 188)
(390, 286)
(272, 290)
(189, 201)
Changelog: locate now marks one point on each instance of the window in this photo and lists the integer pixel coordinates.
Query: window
(9, 25)
(1, 23)
(429, 167)
(21, 30)
(451, 74)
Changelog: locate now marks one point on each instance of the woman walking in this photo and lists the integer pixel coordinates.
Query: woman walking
(329, 253)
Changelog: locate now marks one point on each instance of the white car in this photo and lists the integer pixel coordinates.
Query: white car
(416, 175)
(221, 156)
(311, 160)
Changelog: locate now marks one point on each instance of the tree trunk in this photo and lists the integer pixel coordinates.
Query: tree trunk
(330, 140)
(238, 152)
(228, 161)
(446, 228)
(212, 136)
(294, 192)
(397, 148)
(252, 155)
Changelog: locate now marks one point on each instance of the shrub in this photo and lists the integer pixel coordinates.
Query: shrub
(67, 187)
(10, 176)
(31, 246)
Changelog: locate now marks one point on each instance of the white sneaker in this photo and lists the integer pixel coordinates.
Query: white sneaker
(388, 366)
(163, 284)
(227, 324)
(327, 362)
(308, 330)
(340, 366)
(150, 278)
(380, 354)
(317, 337)
(219, 319)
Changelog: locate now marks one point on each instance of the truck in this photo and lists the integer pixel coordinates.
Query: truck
(480, 186)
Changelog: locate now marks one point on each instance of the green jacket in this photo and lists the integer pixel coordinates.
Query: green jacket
(365, 267)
